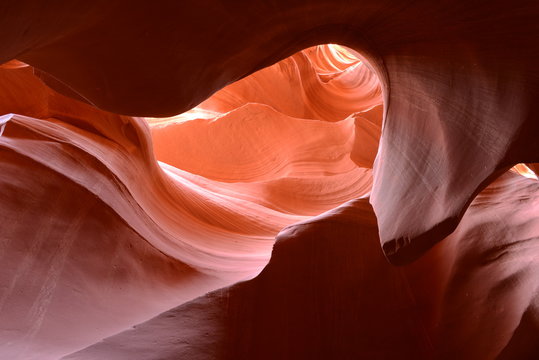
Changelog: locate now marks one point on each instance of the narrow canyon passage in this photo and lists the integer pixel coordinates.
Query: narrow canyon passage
(149, 235)
(203, 181)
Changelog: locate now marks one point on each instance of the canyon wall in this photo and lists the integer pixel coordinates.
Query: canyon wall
(152, 152)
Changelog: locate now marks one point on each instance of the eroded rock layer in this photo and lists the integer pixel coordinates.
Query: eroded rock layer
(460, 80)
(115, 209)
(110, 237)
(328, 292)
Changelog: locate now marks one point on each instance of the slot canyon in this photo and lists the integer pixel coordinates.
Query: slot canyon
(269, 180)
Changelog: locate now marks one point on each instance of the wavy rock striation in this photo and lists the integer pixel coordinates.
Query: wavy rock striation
(328, 292)
(98, 235)
(110, 237)
(460, 80)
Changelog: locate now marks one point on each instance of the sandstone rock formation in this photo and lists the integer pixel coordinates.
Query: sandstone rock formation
(328, 292)
(454, 102)
(152, 151)
(116, 238)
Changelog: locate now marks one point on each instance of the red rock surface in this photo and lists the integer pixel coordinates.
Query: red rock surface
(98, 235)
(455, 102)
(110, 237)
(328, 292)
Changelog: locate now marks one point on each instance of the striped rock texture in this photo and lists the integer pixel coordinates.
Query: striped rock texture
(212, 172)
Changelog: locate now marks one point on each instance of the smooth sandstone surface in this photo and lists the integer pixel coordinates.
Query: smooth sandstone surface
(459, 80)
(100, 236)
(151, 152)
(328, 292)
